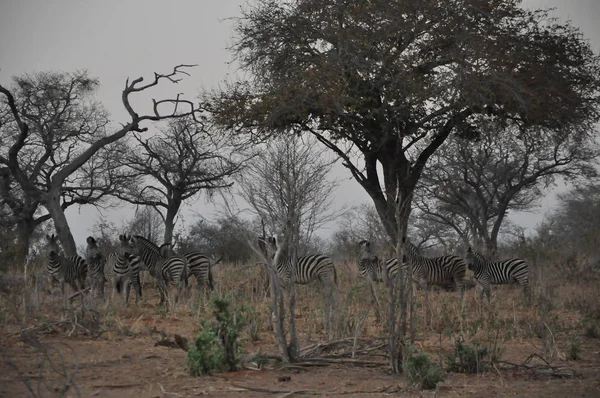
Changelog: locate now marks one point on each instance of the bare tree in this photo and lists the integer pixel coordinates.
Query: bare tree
(175, 165)
(288, 180)
(384, 83)
(55, 127)
(472, 187)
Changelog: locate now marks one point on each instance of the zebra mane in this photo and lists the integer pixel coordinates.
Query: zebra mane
(147, 242)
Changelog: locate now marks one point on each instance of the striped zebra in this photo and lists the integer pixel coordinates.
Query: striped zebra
(306, 269)
(95, 261)
(200, 266)
(435, 270)
(163, 266)
(488, 273)
(371, 267)
(122, 270)
(71, 270)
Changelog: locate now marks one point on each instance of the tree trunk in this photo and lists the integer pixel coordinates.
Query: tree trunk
(172, 211)
(399, 293)
(25, 229)
(52, 204)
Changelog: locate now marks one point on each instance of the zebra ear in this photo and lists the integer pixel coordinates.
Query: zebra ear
(90, 240)
(121, 237)
(404, 239)
(469, 250)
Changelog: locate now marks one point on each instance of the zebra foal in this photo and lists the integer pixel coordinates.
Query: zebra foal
(163, 266)
(95, 261)
(371, 267)
(122, 270)
(72, 270)
(488, 273)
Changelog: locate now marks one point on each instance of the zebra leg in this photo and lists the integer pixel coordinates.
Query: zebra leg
(126, 289)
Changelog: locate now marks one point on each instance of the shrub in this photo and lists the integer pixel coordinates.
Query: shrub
(216, 348)
(421, 372)
(470, 358)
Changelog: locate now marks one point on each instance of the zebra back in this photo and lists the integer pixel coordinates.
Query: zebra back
(498, 272)
(304, 269)
(435, 270)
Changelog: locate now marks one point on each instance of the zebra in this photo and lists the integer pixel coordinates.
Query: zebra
(163, 266)
(488, 273)
(435, 270)
(200, 265)
(122, 270)
(95, 261)
(371, 267)
(71, 270)
(306, 269)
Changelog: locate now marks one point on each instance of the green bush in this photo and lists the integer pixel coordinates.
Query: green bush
(216, 348)
(207, 354)
(468, 358)
(421, 372)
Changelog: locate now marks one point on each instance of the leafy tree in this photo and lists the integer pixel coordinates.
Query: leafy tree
(471, 187)
(383, 84)
(51, 128)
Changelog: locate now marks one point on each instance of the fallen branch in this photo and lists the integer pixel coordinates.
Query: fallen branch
(77, 293)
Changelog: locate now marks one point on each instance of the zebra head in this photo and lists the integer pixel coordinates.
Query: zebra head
(471, 257)
(166, 250)
(92, 251)
(364, 249)
(128, 246)
(52, 246)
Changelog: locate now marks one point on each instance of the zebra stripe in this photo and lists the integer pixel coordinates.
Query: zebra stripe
(371, 267)
(435, 270)
(305, 270)
(71, 270)
(164, 267)
(96, 262)
(123, 271)
(200, 265)
(488, 272)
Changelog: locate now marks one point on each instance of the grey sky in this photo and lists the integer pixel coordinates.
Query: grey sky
(114, 40)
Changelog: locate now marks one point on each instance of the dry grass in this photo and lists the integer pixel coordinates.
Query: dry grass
(562, 324)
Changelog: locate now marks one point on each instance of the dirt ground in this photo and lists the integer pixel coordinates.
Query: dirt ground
(123, 360)
(127, 366)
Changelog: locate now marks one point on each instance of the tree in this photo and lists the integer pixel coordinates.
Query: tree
(384, 83)
(471, 187)
(175, 165)
(288, 180)
(575, 224)
(52, 127)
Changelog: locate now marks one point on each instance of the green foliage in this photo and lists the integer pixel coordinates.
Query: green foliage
(574, 349)
(207, 355)
(471, 358)
(216, 348)
(421, 372)
(590, 326)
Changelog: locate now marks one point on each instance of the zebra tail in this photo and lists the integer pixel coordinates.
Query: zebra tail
(185, 272)
(210, 278)
(335, 276)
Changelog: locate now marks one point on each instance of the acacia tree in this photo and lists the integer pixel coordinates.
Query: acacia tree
(175, 165)
(52, 127)
(384, 83)
(471, 187)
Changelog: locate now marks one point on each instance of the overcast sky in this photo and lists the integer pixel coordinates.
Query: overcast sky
(117, 39)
